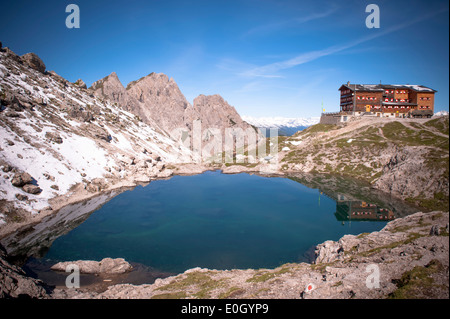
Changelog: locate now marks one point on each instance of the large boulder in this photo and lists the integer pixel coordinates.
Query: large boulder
(31, 189)
(34, 62)
(25, 181)
(105, 266)
(20, 179)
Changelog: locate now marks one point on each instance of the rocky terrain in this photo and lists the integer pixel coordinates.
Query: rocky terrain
(158, 101)
(62, 143)
(110, 88)
(408, 258)
(65, 147)
(16, 284)
(406, 158)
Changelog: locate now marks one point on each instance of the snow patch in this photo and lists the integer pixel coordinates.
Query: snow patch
(276, 122)
(440, 113)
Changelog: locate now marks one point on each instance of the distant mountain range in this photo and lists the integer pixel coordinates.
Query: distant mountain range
(441, 113)
(286, 126)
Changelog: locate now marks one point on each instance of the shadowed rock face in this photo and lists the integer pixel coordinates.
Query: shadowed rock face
(14, 283)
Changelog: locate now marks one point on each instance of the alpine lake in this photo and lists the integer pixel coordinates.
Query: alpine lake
(211, 220)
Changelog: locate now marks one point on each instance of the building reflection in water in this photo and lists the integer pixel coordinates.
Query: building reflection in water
(353, 210)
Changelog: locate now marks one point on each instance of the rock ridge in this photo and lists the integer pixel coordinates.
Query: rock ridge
(157, 100)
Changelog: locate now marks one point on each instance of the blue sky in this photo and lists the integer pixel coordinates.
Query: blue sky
(266, 58)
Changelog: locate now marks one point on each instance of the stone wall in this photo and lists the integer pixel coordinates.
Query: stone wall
(330, 118)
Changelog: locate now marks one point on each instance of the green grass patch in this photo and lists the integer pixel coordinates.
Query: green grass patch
(263, 276)
(321, 267)
(171, 295)
(318, 128)
(417, 282)
(242, 164)
(402, 229)
(443, 232)
(231, 293)
(438, 160)
(295, 156)
(439, 202)
(195, 280)
(441, 124)
(402, 135)
(411, 238)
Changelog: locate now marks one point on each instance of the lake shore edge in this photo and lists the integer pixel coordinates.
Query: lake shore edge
(408, 258)
(155, 290)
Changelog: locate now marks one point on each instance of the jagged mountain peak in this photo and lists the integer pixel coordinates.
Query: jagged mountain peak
(151, 78)
(158, 101)
(215, 112)
(60, 135)
(210, 97)
(113, 77)
(214, 101)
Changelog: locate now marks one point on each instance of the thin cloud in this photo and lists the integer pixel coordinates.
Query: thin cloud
(236, 67)
(271, 27)
(270, 70)
(251, 87)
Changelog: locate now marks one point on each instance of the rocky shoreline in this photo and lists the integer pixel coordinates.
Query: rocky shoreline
(338, 262)
(79, 193)
(416, 245)
(408, 258)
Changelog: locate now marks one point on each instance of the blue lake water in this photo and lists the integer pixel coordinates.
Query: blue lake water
(210, 220)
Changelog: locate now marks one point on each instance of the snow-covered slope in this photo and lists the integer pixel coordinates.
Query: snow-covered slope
(285, 126)
(62, 135)
(441, 113)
